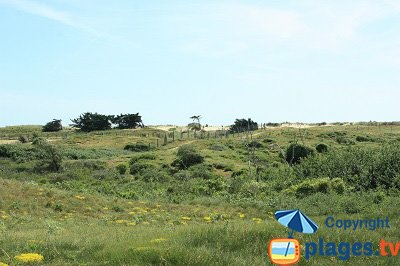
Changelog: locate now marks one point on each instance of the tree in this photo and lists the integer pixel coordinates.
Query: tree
(92, 121)
(195, 125)
(49, 155)
(124, 121)
(53, 126)
(243, 125)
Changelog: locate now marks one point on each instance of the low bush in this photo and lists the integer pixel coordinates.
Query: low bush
(187, 156)
(296, 152)
(322, 148)
(121, 168)
(138, 147)
(319, 185)
(364, 139)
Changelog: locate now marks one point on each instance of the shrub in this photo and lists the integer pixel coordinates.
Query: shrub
(137, 147)
(201, 171)
(188, 156)
(49, 155)
(338, 185)
(140, 167)
(53, 126)
(296, 152)
(344, 140)
(268, 141)
(23, 139)
(364, 139)
(255, 144)
(121, 168)
(217, 147)
(322, 148)
(312, 186)
(143, 156)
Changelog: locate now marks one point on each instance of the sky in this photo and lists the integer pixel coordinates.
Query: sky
(272, 61)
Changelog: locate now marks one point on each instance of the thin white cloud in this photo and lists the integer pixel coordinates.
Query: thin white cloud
(58, 16)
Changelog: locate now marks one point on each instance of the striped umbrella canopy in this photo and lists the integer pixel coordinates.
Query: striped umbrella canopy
(297, 221)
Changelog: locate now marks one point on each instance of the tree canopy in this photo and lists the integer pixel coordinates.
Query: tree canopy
(94, 121)
(53, 126)
(242, 125)
(124, 121)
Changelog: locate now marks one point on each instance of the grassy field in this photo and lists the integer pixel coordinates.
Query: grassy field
(217, 212)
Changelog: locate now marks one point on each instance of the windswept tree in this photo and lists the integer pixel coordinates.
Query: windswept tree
(124, 121)
(53, 126)
(92, 121)
(243, 125)
(195, 125)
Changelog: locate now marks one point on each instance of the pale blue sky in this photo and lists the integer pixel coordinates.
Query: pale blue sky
(275, 61)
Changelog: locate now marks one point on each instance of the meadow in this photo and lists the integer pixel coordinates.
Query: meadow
(170, 197)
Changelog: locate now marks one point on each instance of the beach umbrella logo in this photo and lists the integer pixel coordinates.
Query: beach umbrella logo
(286, 251)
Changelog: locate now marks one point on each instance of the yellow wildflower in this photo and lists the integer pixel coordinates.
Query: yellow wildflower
(5, 217)
(242, 215)
(80, 197)
(183, 222)
(105, 208)
(132, 213)
(131, 223)
(257, 220)
(146, 223)
(29, 257)
(185, 218)
(120, 221)
(158, 240)
(3, 264)
(207, 219)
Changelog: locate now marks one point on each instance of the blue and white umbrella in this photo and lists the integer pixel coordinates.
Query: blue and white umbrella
(297, 221)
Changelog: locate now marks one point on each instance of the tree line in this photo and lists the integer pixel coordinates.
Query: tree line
(94, 121)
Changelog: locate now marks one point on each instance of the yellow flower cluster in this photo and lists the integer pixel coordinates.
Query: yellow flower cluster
(207, 219)
(80, 197)
(3, 264)
(257, 220)
(158, 240)
(29, 257)
(242, 215)
(185, 218)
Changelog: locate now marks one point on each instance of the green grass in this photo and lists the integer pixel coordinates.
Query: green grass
(89, 214)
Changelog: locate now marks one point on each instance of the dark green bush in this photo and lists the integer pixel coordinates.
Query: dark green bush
(344, 140)
(201, 171)
(296, 152)
(364, 139)
(138, 147)
(322, 148)
(140, 168)
(187, 156)
(255, 144)
(23, 139)
(121, 168)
